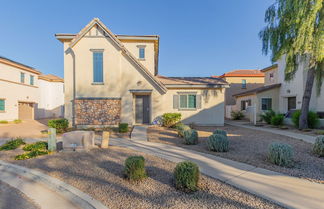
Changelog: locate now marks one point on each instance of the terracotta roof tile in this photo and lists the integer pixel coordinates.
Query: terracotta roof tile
(242, 73)
(257, 90)
(191, 80)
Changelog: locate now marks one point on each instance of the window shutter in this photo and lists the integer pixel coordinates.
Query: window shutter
(198, 101)
(175, 101)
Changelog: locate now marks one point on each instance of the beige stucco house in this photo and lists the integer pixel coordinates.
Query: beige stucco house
(112, 78)
(24, 90)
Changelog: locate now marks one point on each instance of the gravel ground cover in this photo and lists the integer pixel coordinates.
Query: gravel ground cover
(100, 174)
(11, 198)
(250, 146)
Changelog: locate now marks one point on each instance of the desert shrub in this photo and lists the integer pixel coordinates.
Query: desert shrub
(186, 175)
(181, 128)
(221, 132)
(36, 146)
(170, 119)
(3, 122)
(135, 168)
(277, 120)
(17, 121)
(190, 136)
(267, 116)
(123, 127)
(59, 124)
(31, 154)
(318, 147)
(237, 115)
(218, 143)
(312, 119)
(12, 144)
(280, 154)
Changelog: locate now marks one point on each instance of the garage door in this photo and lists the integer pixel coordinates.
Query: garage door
(25, 111)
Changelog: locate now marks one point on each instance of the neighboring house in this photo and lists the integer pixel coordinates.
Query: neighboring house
(21, 91)
(111, 79)
(240, 81)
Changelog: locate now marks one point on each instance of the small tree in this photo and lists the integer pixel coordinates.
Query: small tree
(295, 29)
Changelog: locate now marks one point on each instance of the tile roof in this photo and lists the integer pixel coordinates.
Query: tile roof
(191, 80)
(242, 73)
(51, 78)
(18, 64)
(258, 90)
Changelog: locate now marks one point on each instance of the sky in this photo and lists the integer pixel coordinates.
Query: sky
(197, 38)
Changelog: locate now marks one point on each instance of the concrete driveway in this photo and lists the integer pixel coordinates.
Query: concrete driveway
(26, 129)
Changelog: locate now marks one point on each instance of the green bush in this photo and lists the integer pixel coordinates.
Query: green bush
(190, 137)
(267, 116)
(181, 128)
(277, 120)
(218, 143)
(186, 175)
(170, 119)
(123, 127)
(312, 119)
(280, 154)
(17, 121)
(3, 122)
(36, 146)
(237, 115)
(31, 154)
(135, 168)
(12, 144)
(318, 147)
(59, 124)
(221, 132)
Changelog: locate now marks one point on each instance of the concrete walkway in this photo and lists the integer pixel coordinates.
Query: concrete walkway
(47, 192)
(306, 138)
(139, 133)
(287, 191)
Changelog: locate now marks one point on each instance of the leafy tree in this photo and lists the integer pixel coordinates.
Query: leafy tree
(295, 28)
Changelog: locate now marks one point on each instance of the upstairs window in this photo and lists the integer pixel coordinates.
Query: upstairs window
(141, 52)
(2, 105)
(271, 77)
(187, 101)
(243, 84)
(31, 80)
(22, 77)
(97, 67)
(266, 103)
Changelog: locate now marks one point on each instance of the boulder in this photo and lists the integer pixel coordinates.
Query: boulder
(78, 140)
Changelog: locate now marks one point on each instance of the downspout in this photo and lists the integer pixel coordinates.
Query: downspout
(70, 51)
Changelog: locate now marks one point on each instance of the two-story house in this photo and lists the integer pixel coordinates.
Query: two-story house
(112, 78)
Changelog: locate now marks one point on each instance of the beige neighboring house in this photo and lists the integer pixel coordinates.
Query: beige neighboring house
(240, 81)
(23, 90)
(112, 78)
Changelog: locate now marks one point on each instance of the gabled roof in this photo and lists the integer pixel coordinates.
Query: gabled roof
(19, 65)
(242, 73)
(119, 44)
(50, 78)
(192, 81)
(258, 90)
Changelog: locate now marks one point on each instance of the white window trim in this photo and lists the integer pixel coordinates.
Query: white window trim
(187, 94)
(261, 103)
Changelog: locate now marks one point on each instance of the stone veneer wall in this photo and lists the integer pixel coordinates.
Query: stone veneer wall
(97, 111)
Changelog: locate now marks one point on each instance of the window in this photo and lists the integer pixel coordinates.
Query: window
(22, 77)
(98, 67)
(245, 104)
(188, 101)
(2, 105)
(31, 80)
(141, 52)
(243, 84)
(271, 76)
(266, 103)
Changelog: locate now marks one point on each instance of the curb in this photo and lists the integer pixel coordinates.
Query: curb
(69, 192)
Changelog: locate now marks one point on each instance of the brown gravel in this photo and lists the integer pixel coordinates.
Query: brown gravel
(100, 174)
(250, 146)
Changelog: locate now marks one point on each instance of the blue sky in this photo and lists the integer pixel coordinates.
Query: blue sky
(197, 38)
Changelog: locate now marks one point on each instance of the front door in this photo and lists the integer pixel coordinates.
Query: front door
(291, 103)
(142, 109)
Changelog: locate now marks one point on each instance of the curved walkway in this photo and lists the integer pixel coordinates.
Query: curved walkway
(290, 192)
(46, 191)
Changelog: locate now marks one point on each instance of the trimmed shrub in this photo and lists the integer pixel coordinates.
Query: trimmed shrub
(181, 128)
(277, 120)
(318, 147)
(237, 115)
(123, 127)
(190, 136)
(12, 144)
(3, 122)
(31, 154)
(280, 154)
(221, 132)
(135, 168)
(170, 119)
(267, 116)
(36, 146)
(59, 124)
(186, 175)
(218, 143)
(312, 119)
(17, 121)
